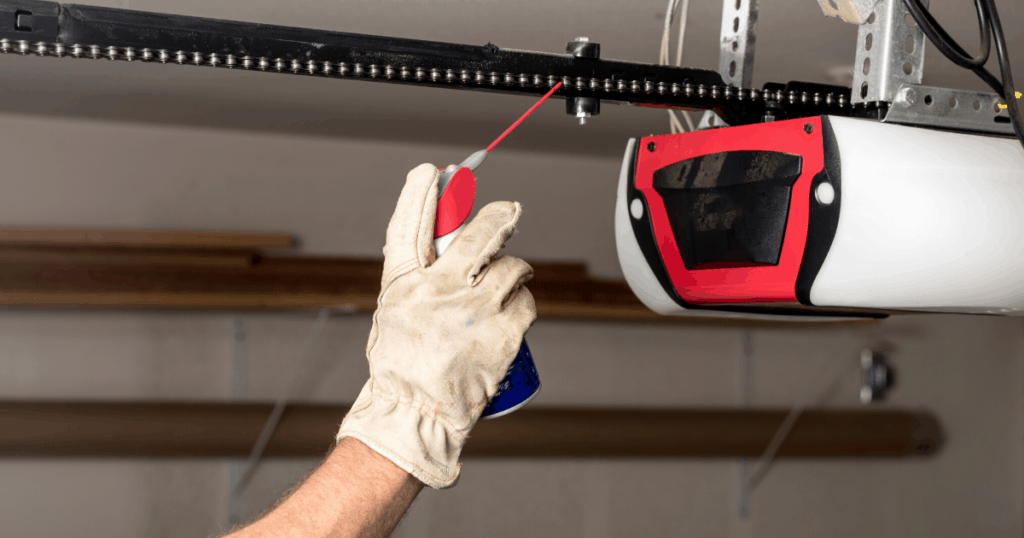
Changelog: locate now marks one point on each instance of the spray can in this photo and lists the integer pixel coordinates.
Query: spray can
(457, 191)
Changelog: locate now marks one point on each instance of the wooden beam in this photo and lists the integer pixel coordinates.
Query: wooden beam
(211, 279)
(125, 257)
(150, 429)
(143, 238)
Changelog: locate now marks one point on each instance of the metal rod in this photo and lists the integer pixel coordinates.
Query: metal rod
(76, 31)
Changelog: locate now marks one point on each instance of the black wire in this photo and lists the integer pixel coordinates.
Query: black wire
(988, 20)
(951, 49)
(946, 44)
(1004, 68)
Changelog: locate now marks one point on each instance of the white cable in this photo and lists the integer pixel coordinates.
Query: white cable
(674, 126)
(279, 406)
(684, 10)
(664, 57)
(839, 372)
(673, 122)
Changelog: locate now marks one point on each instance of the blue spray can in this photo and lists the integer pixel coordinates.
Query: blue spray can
(456, 193)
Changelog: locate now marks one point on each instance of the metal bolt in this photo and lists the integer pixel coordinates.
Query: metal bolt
(808, 128)
(583, 117)
(908, 96)
(582, 39)
(651, 146)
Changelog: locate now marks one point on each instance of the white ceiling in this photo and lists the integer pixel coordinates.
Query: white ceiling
(794, 42)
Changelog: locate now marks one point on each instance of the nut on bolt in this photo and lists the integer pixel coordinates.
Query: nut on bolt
(581, 47)
(879, 376)
(582, 107)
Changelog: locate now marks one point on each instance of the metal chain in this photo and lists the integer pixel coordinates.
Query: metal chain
(419, 74)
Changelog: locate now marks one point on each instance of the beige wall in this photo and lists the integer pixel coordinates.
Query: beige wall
(336, 195)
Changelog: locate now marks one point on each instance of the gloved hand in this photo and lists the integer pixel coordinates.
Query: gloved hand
(444, 333)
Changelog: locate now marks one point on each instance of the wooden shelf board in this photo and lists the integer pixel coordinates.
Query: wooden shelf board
(207, 429)
(105, 276)
(143, 238)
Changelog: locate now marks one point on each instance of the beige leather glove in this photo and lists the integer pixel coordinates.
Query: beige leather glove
(443, 336)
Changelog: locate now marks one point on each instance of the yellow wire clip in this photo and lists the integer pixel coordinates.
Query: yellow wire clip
(1018, 97)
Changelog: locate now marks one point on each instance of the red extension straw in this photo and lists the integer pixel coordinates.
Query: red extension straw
(520, 120)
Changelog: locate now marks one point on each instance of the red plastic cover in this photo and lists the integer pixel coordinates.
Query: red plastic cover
(742, 284)
(455, 203)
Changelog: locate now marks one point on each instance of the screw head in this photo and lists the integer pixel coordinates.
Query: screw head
(808, 128)
(908, 96)
(651, 146)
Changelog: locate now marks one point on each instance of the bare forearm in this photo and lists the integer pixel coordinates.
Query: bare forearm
(356, 492)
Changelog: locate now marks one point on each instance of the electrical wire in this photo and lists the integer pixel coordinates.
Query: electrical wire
(951, 49)
(664, 56)
(684, 11)
(1009, 95)
(836, 375)
(280, 405)
(946, 44)
(990, 27)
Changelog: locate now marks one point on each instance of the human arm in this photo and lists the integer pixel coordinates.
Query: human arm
(355, 492)
(444, 334)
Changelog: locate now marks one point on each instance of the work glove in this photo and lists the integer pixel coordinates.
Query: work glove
(444, 334)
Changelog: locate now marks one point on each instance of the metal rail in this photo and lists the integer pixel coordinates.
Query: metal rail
(68, 30)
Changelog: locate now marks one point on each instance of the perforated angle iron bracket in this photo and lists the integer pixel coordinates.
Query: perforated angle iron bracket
(738, 38)
(890, 53)
(959, 110)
